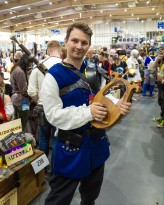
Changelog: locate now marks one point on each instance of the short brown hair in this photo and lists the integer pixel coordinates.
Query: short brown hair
(53, 44)
(81, 26)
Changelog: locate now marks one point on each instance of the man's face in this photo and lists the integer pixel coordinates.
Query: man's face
(77, 44)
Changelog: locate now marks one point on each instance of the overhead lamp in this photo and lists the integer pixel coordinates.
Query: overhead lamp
(132, 14)
(90, 17)
(153, 9)
(6, 2)
(80, 15)
(38, 15)
(73, 20)
(45, 20)
(157, 14)
(116, 4)
(142, 21)
(138, 18)
(101, 11)
(61, 17)
(160, 17)
(29, 22)
(147, 2)
(29, 8)
(11, 12)
(50, 3)
(43, 25)
(110, 15)
(16, 24)
(125, 10)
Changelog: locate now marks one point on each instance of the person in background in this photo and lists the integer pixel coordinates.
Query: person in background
(5, 88)
(159, 63)
(63, 52)
(81, 149)
(119, 66)
(46, 130)
(91, 57)
(133, 66)
(19, 82)
(6, 108)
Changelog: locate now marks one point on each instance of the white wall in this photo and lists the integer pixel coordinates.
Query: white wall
(104, 32)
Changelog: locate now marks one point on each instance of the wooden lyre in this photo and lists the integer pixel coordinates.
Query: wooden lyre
(114, 113)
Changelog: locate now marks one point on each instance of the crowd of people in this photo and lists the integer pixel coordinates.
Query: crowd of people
(59, 104)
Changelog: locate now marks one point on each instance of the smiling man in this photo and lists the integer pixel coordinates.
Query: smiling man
(81, 149)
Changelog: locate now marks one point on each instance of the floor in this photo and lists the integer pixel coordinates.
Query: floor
(134, 173)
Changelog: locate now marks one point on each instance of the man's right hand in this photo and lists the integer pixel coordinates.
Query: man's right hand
(98, 111)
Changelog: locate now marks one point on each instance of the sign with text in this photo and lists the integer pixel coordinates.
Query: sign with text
(21, 152)
(160, 25)
(40, 163)
(14, 126)
(10, 198)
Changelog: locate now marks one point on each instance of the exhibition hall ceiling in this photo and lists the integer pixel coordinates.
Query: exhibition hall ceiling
(30, 15)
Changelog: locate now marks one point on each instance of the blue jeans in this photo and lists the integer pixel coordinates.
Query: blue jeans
(45, 133)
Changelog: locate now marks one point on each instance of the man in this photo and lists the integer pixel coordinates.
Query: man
(91, 57)
(34, 87)
(81, 149)
(159, 63)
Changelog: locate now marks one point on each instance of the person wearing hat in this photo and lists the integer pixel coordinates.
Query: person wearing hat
(5, 88)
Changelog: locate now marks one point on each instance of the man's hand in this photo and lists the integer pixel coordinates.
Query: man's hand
(98, 111)
(124, 106)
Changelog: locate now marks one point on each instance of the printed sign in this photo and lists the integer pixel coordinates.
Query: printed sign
(10, 198)
(40, 163)
(19, 153)
(9, 127)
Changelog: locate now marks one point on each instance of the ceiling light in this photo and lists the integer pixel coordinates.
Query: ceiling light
(147, 2)
(132, 15)
(6, 2)
(124, 21)
(73, 20)
(90, 17)
(116, 4)
(142, 21)
(56, 23)
(61, 17)
(38, 15)
(153, 9)
(157, 14)
(101, 11)
(138, 18)
(110, 15)
(160, 17)
(125, 10)
(29, 22)
(80, 15)
(16, 25)
(29, 8)
(11, 12)
(45, 20)
(91, 25)
(50, 3)
(43, 25)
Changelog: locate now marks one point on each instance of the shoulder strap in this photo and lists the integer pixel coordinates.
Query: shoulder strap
(82, 76)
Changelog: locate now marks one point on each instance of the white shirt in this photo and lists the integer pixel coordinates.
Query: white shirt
(63, 118)
(36, 78)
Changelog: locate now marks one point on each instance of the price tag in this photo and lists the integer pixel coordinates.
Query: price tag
(40, 163)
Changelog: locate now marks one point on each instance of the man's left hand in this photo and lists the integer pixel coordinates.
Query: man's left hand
(124, 106)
